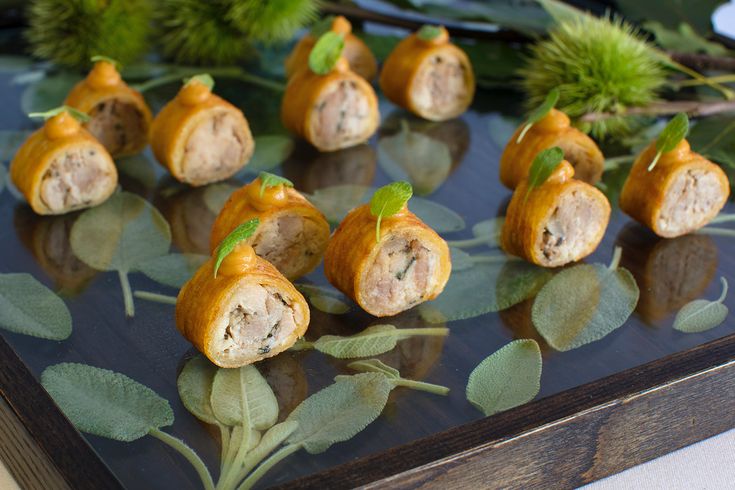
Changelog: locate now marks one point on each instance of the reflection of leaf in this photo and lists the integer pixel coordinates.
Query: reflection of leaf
(324, 299)
(48, 92)
(30, 308)
(461, 260)
(106, 403)
(438, 217)
(270, 151)
(584, 303)
(339, 411)
(10, 142)
(701, 315)
(423, 161)
(502, 128)
(508, 378)
(172, 269)
(195, 388)
(216, 195)
(227, 394)
(3, 177)
(119, 235)
(138, 168)
(684, 39)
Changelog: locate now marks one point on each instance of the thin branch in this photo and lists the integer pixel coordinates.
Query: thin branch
(693, 108)
(704, 61)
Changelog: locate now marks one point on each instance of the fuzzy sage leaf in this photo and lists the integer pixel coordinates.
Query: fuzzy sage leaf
(675, 131)
(271, 180)
(429, 32)
(506, 379)
(542, 167)
(378, 366)
(173, 269)
(195, 388)
(28, 307)
(242, 232)
(75, 113)
(540, 112)
(326, 52)
(701, 315)
(203, 78)
(389, 200)
(232, 386)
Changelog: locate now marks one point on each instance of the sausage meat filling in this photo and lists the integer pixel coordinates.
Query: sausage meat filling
(260, 319)
(440, 86)
(76, 178)
(567, 233)
(341, 117)
(400, 275)
(119, 126)
(289, 242)
(585, 167)
(215, 149)
(689, 203)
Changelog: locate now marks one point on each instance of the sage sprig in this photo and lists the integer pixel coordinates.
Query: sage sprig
(540, 112)
(113, 62)
(701, 315)
(203, 78)
(326, 52)
(268, 179)
(542, 167)
(75, 113)
(225, 248)
(429, 32)
(389, 200)
(675, 131)
(378, 366)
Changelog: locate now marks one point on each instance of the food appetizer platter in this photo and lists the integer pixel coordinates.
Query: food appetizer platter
(374, 275)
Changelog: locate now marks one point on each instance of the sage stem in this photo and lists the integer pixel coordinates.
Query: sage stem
(267, 465)
(158, 298)
(615, 262)
(127, 293)
(188, 453)
(421, 386)
(711, 230)
(723, 218)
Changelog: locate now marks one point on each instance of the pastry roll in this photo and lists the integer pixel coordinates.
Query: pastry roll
(200, 137)
(553, 130)
(681, 194)
(62, 167)
(292, 234)
(560, 221)
(332, 111)
(410, 263)
(358, 54)
(429, 76)
(119, 116)
(248, 312)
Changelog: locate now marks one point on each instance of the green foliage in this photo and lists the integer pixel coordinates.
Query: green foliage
(599, 65)
(672, 134)
(325, 299)
(242, 232)
(173, 269)
(428, 32)
(671, 13)
(75, 113)
(195, 388)
(508, 378)
(203, 78)
(243, 394)
(106, 403)
(543, 166)
(378, 366)
(70, 32)
(270, 151)
(540, 112)
(683, 39)
(30, 308)
(271, 180)
(389, 200)
(272, 20)
(326, 52)
(701, 315)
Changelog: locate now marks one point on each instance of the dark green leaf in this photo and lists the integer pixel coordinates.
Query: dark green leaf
(271, 180)
(30, 308)
(326, 52)
(675, 131)
(701, 315)
(242, 232)
(540, 112)
(543, 166)
(322, 26)
(389, 200)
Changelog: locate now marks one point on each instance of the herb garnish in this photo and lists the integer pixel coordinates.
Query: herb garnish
(203, 78)
(268, 179)
(378, 366)
(542, 167)
(75, 113)
(113, 62)
(701, 315)
(540, 112)
(326, 52)
(675, 131)
(389, 200)
(242, 232)
(429, 32)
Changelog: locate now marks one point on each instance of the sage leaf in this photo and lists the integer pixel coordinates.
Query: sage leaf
(228, 244)
(507, 378)
(378, 366)
(584, 303)
(270, 440)
(389, 200)
(231, 386)
(439, 218)
(138, 168)
(540, 112)
(428, 32)
(424, 161)
(326, 52)
(675, 131)
(28, 307)
(119, 235)
(270, 151)
(195, 388)
(324, 299)
(49, 91)
(75, 113)
(339, 411)
(701, 315)
(485, 233)
(203, 78)
(461, 260)
(268, 179)
(543, 166)
(106, 403)
(172, 269)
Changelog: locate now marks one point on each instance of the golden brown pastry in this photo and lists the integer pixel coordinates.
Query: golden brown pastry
(119, 117)
(681, 194)
(292, 234)
(248, 312)
(408, 264)
(62, 167)
(199, 137)
(561, 221)
(332, 111)
(553, 130)
(429, 76)
(358, 54)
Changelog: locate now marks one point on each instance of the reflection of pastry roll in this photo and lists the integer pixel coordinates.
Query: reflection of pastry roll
(409, 265)
(311, 170)
(119, 116)
(189, 217)
(561, 221)
(431, 78)
(61, 168)
(356, 52)
(200, 137)
(553, 130)
(681, 194)
(292, 234)
(247, 313)
(332, 111)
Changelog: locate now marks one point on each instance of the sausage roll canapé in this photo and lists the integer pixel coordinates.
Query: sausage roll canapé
(200, 137)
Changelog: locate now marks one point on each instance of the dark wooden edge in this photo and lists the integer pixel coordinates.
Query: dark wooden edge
(51, 431)
(472, 436)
